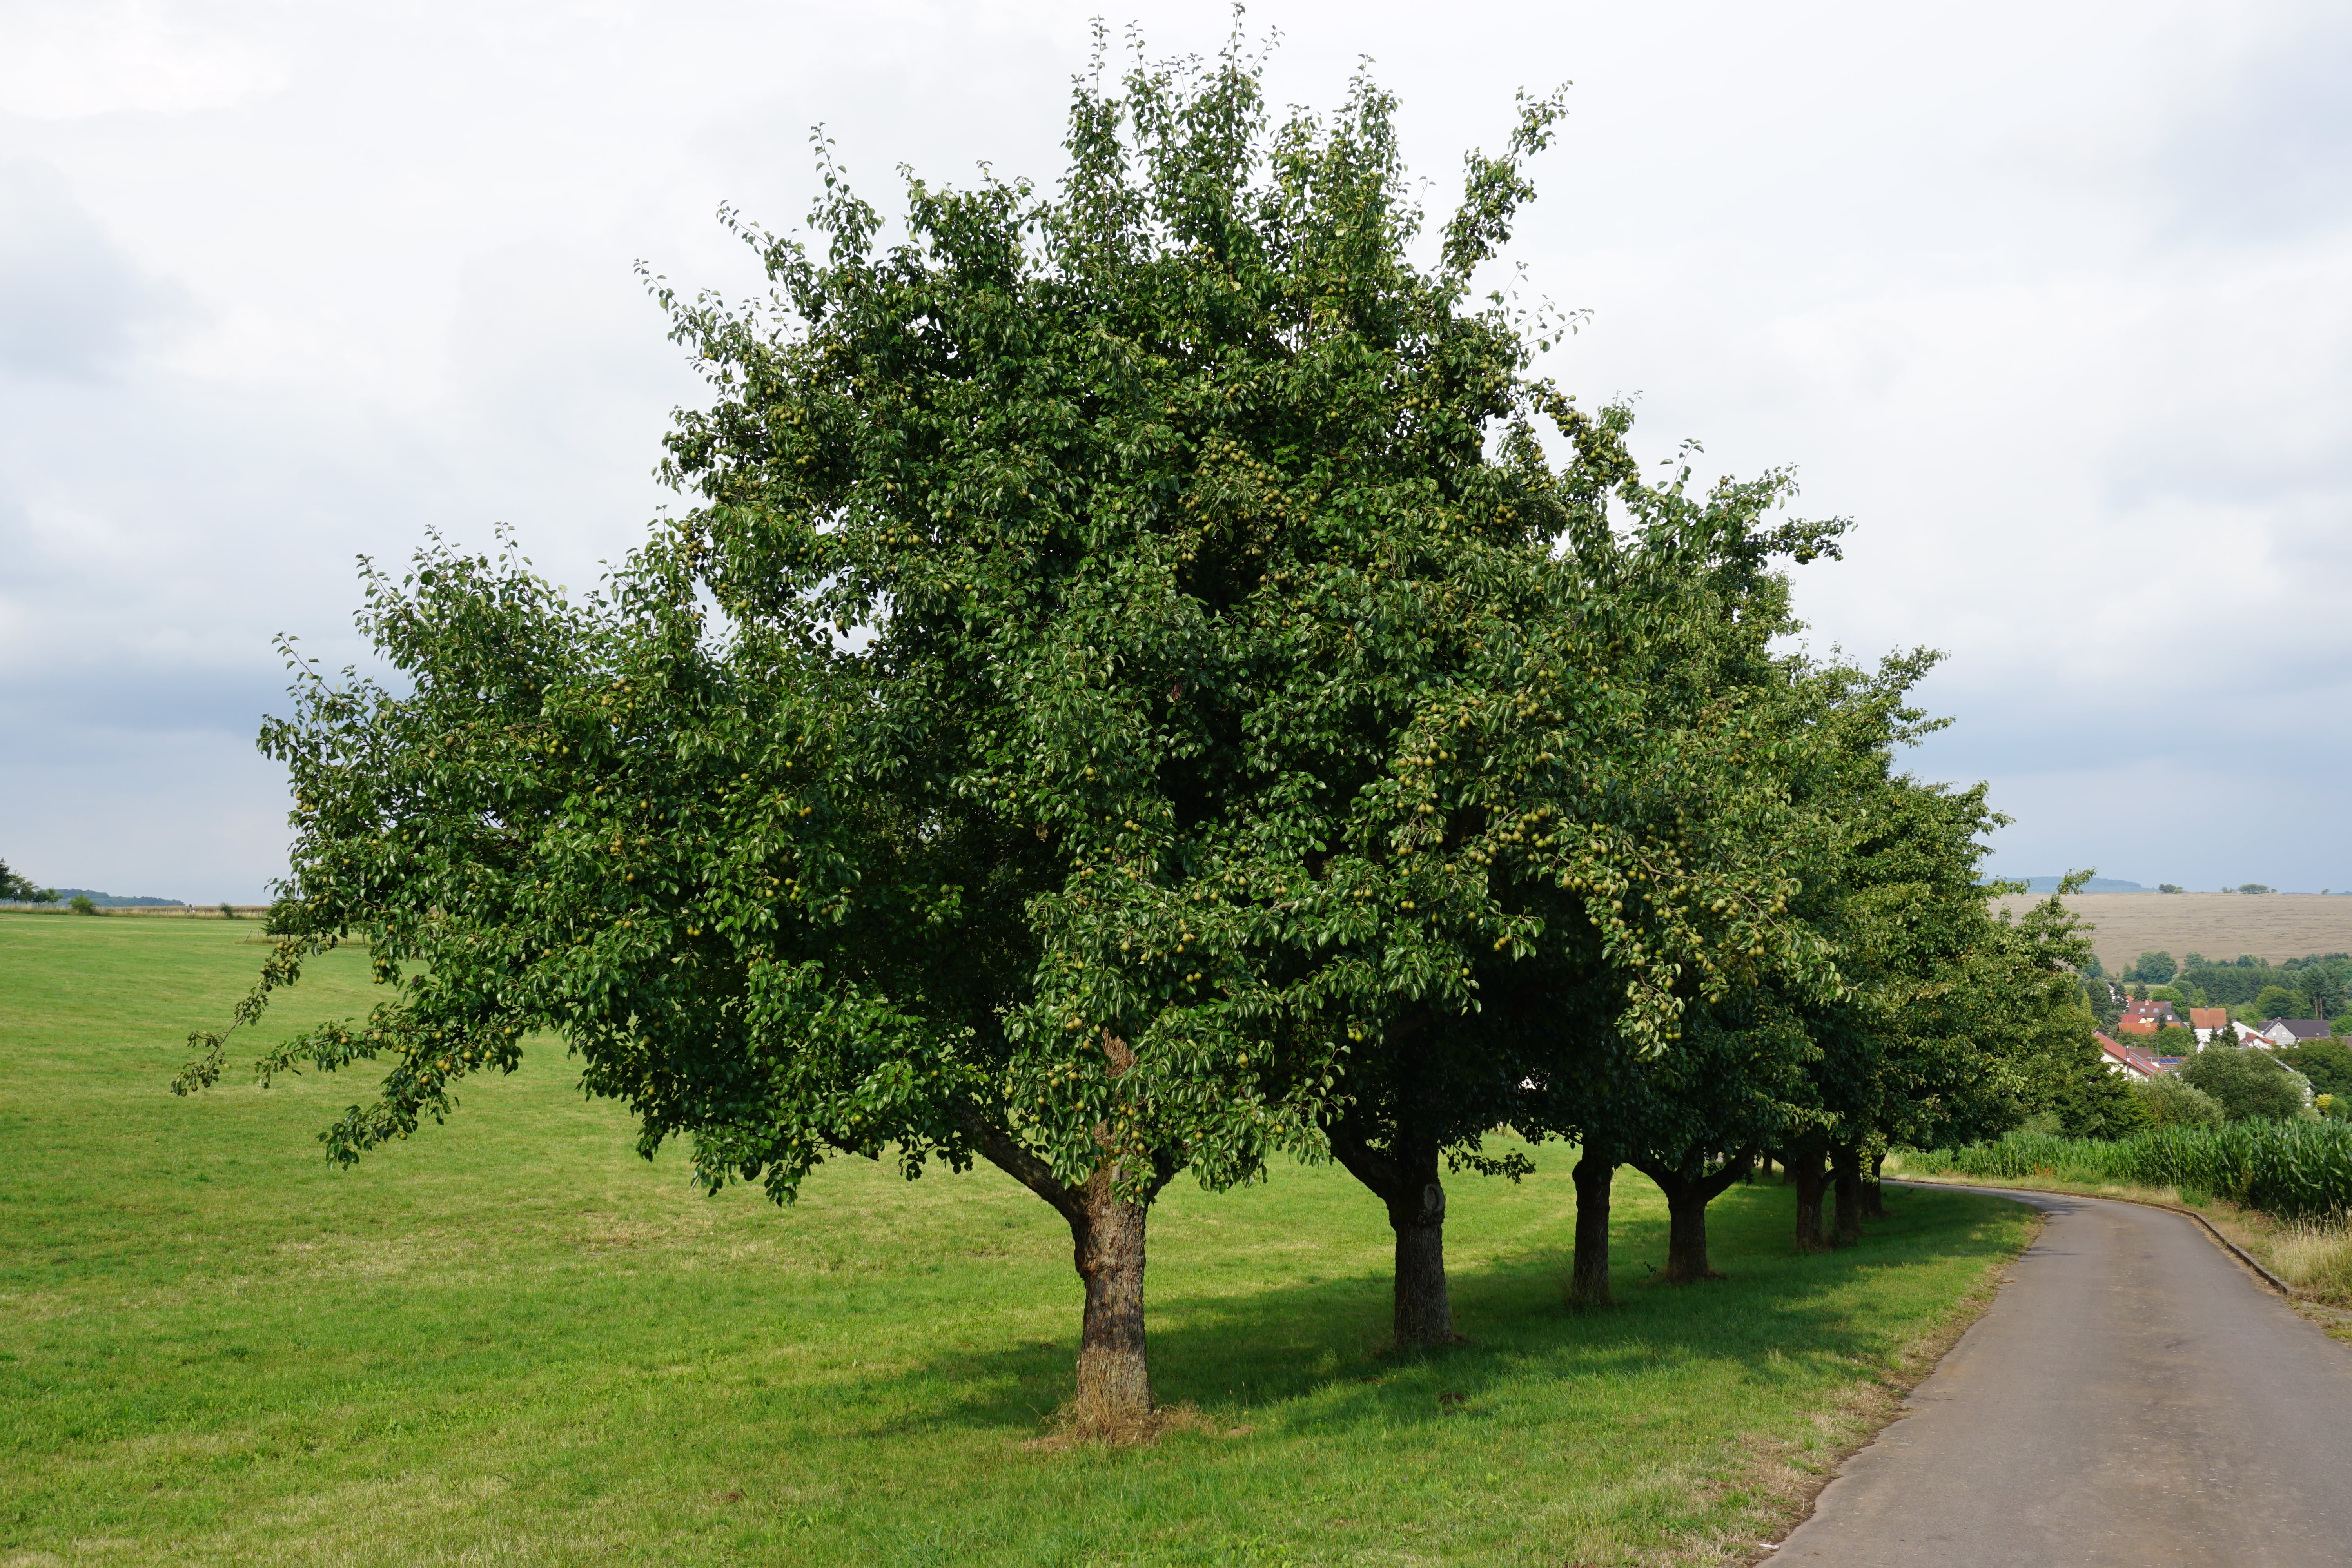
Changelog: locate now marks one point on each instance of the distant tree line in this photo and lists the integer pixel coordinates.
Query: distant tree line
(2316, 986)
(15, 889)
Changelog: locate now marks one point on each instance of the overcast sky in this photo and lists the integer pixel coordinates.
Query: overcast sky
(2054, 300)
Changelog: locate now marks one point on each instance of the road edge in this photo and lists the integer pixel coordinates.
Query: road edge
(2239, 1253)
(1880, 1405)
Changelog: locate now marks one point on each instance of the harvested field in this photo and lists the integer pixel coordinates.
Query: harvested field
(2271, 926)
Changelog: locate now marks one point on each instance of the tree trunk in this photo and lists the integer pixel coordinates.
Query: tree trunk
(1845, 1164)
(1424, 1314)
(1764, 1163)
(1416, 1205)
(1874, 1193)
(1588, 1285)
(1805, 1171)
(1114, 1396)
(1689, 1188)
(1686, 1239)
(1404, 1178)
(1113, 1402)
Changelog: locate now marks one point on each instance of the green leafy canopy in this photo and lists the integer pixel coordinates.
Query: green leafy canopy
(1134, 645)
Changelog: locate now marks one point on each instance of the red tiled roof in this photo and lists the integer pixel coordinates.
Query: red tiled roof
(2132, 1056)
(2208, 1018)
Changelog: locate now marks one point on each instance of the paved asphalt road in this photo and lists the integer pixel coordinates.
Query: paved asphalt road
(2133, 1397)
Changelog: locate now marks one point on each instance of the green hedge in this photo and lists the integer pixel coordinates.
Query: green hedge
(2296, 1170)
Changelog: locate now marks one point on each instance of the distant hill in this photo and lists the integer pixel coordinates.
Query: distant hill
(114, 901)
(2096, 884)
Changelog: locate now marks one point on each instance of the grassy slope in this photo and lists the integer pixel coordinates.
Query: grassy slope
(512, 1340)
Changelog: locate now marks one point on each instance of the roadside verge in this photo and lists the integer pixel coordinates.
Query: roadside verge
(1976, 1185)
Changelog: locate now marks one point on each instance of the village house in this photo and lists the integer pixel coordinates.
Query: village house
(2205, 1020)
(2284, 1032)
(2145, 1017)
(2133, 1062)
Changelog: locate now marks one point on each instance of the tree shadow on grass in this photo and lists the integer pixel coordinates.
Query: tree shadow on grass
(1317, 1353)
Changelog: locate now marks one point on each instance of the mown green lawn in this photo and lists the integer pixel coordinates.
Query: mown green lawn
(510, 1340)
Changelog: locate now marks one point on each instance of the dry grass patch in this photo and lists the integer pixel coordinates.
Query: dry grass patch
(2313, 1258)
(1074, 1424)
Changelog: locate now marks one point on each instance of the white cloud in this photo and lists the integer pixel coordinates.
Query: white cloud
(2051, 299)
(71, 304)
(71, 59)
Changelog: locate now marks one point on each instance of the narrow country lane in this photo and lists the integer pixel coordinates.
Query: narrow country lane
(2133, 1397)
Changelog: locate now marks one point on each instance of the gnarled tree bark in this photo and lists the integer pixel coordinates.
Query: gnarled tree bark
(1113, 1400)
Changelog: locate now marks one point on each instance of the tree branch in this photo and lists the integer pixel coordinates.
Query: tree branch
(1004, 1152)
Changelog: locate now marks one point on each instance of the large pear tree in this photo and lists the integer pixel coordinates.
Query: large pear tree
(1133, 666)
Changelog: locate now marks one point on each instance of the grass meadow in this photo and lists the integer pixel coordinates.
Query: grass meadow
(510, 1340)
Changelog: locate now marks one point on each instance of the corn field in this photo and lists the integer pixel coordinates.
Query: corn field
(2296, 1170)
